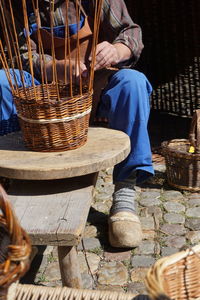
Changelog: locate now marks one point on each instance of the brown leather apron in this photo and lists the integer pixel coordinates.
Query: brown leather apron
(85, 42)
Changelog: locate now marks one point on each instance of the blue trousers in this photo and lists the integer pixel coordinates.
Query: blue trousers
(124, 102)
(8, 115)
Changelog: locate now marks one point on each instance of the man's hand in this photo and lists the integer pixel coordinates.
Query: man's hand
(110, 54)
(65, 69)
(106, 55)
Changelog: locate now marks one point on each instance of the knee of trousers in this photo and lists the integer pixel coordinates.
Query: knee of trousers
(132, 79)
(3, 80)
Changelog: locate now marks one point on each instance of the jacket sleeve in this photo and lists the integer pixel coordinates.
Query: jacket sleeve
(118, 27)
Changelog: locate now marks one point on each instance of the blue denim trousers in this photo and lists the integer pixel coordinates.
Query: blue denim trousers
(8, 115)
(124, 102)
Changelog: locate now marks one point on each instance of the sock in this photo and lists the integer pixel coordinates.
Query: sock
(124, 196)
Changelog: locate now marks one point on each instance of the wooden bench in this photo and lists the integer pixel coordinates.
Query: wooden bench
(52, 192)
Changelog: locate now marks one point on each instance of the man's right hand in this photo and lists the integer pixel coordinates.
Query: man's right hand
(64, 69)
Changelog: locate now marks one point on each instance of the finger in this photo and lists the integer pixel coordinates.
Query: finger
(104, 61)
(99, 48)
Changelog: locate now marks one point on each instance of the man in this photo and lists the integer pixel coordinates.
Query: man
(124, 102)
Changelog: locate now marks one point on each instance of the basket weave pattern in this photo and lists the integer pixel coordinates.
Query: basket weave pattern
(15, 246)
(52, 124)
(175, 276)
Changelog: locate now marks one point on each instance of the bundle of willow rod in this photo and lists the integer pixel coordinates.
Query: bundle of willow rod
(53, 115)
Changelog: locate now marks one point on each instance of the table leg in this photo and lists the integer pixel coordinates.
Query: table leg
(69, 267)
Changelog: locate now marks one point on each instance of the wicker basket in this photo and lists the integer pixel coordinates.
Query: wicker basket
(29, 292)
(15, 247)
(182, 167)
(170, 58)
(52, 124)
(176, 276)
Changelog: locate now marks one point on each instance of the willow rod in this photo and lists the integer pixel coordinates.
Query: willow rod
(5, 66)
(28, 44)
(68, 48)
(7, 40)
(16, 49)
(78, 46)
(41, 49)
(98, 8)
(55, 78)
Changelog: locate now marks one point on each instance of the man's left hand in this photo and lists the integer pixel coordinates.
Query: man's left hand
(106, 55)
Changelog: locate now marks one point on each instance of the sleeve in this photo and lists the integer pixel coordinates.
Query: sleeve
(118, 27)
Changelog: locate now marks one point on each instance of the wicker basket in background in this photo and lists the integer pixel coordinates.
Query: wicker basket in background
(183, 167)
(52, 124)
(175, 277)
(171, 56)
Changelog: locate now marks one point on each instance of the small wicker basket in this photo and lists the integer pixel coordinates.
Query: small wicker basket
(183, 167)
(52, 124)
(175, 277)
(15, 247)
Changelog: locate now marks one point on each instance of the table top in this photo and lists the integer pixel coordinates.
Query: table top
(103, 149)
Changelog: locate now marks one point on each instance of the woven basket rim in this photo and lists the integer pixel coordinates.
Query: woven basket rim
(22, 96)
(167, 149)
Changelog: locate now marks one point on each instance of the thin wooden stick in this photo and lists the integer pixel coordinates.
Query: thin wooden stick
(67, 37)
(28, 41)
(55, 78)
(41, 49)
(15, 44)
(95, 40)
(36, 12)
(78, 45)
(7, 40)
(5, 66)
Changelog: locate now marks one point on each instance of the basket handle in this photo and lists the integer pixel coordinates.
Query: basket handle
(194, 135)
(15, 256)
(12, 223)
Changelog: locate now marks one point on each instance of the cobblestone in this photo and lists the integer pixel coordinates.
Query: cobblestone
(175, 241)
(173, 229)
(166, 251)
(173, 218)
(114, 273)
(142, 261)
(193, 237)
(194, 202)
(173, 196)
(138, 274)
(174, 207)
(193, 212)
(193, 224)
(146, 248)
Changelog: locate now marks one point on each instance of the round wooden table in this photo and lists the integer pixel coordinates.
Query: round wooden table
(103, 149)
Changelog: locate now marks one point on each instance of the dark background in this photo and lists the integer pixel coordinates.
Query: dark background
(170, 59)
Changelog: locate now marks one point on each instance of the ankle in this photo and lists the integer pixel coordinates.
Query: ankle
(123, 198)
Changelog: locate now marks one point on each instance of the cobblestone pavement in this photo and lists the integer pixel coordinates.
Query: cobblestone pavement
(170, 221)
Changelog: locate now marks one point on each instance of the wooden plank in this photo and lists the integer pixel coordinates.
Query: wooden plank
(103, 149)
(52, 212)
